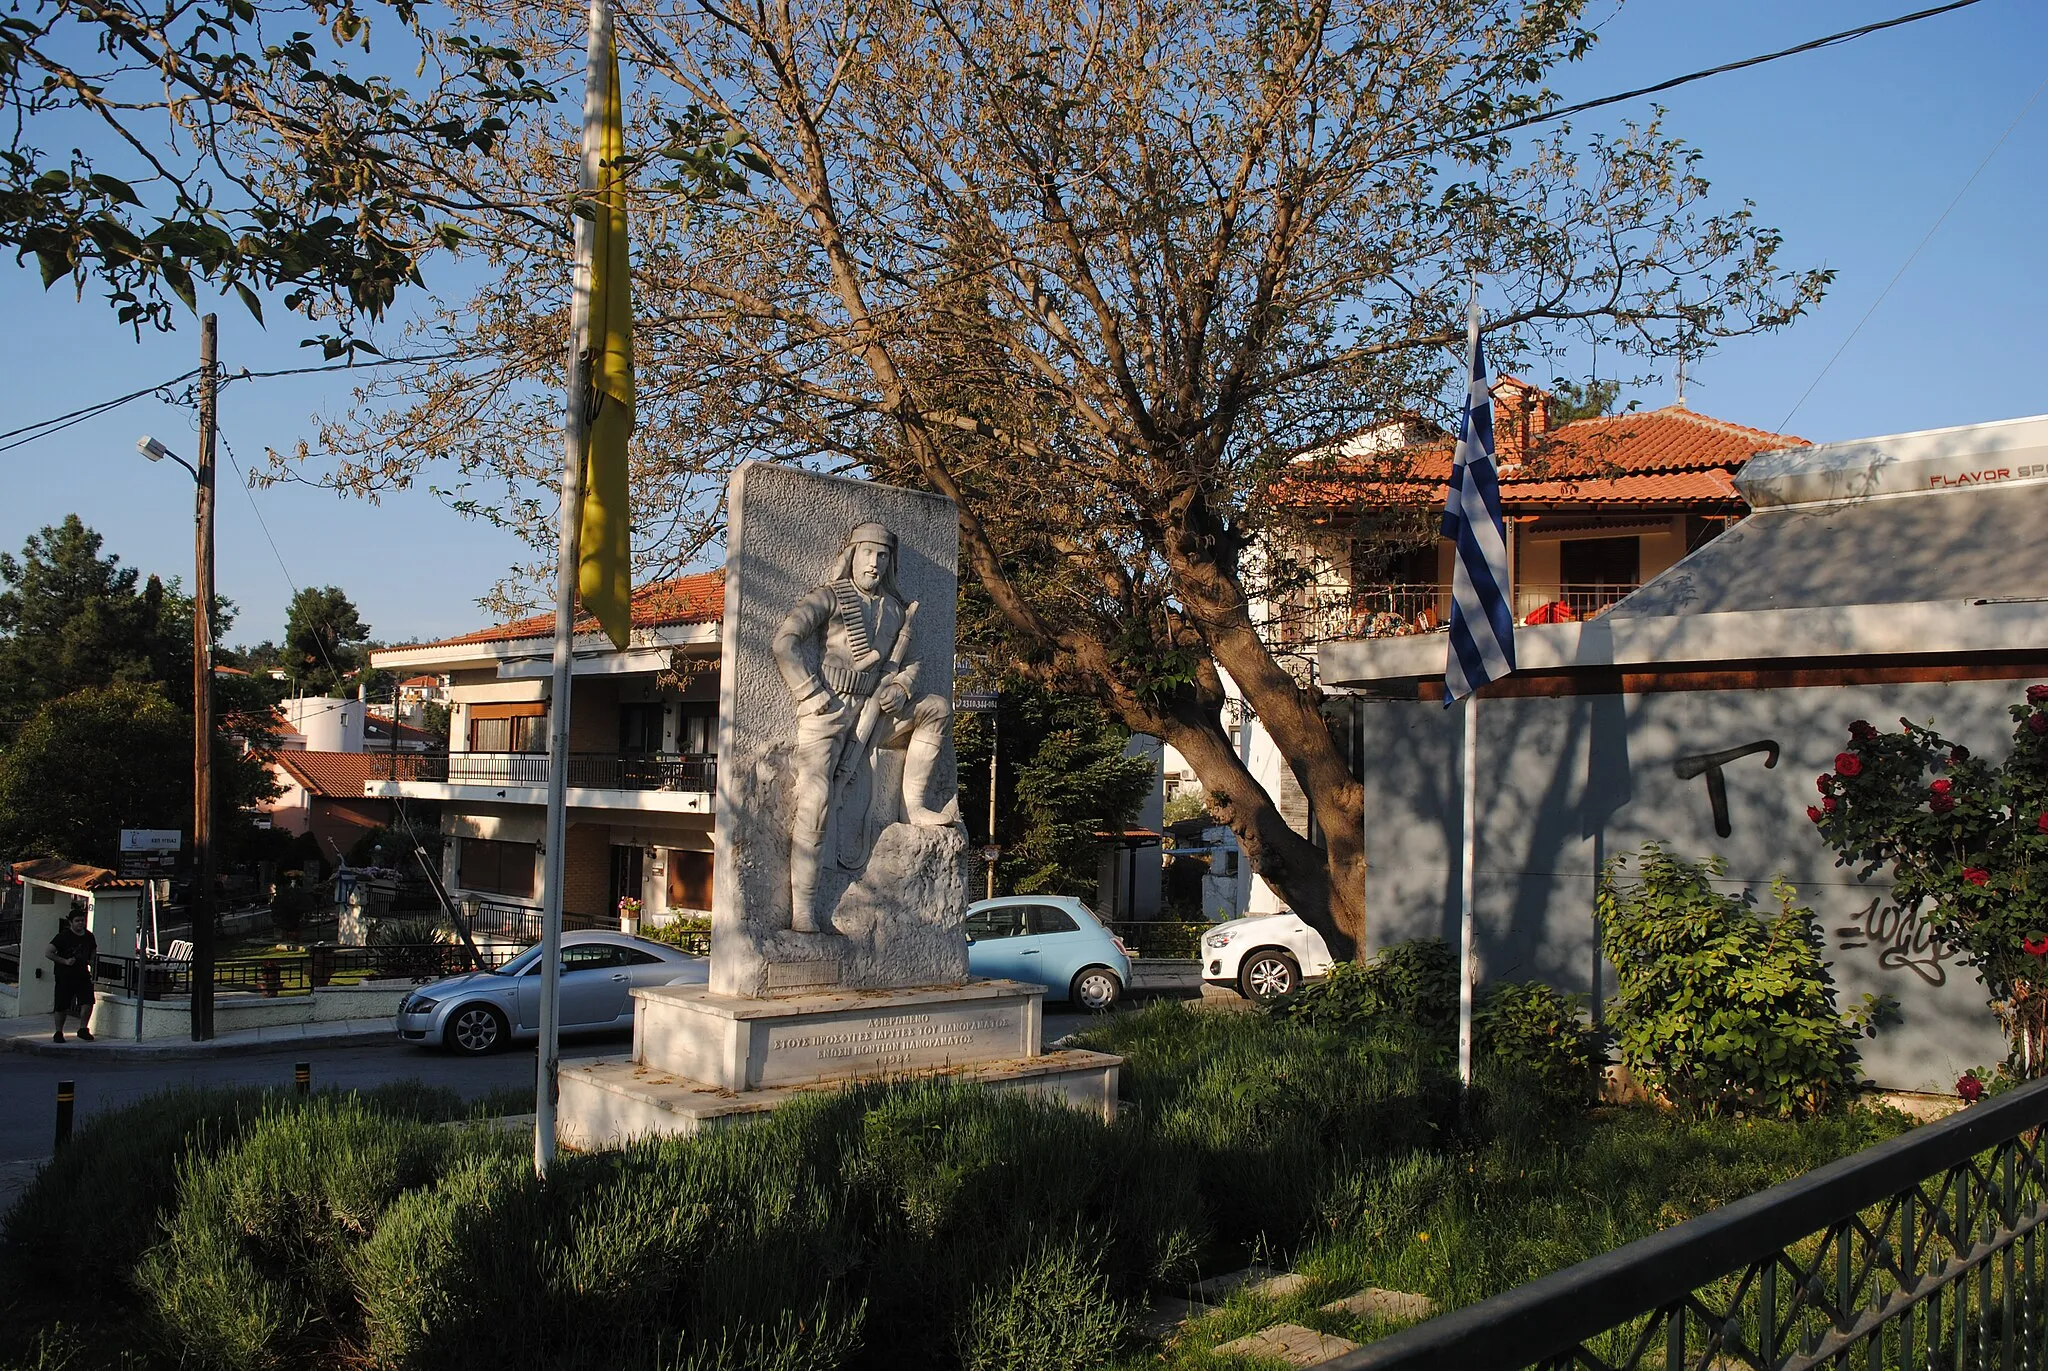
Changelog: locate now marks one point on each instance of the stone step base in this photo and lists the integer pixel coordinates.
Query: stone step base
(608, 1102)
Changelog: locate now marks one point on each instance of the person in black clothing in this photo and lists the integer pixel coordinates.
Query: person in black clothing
(76, 952)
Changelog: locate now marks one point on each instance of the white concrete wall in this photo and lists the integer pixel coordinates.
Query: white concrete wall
(1571, 782)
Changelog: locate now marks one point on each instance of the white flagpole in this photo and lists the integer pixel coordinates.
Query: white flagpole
(1468, 956)
(576, 431)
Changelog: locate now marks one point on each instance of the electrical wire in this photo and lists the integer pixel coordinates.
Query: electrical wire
(1926, 238)
(28, 433)
(1846, 35)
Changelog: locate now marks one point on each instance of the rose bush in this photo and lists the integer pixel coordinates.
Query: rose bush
(1960, 839)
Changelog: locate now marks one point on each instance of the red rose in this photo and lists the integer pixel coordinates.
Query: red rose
(1862, 731)
(2035, 947)
(1814, 814)
(1976, 875)
(2037, 694)
(2038, 722)
(1958, 754)
(1942, 786)
(1830, 804)
(2042, 822)
(1971, 1089)
(1941, 804)
(1848, 764)
(1824, 782)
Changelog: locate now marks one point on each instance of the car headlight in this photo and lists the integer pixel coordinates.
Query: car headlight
(418, 1004)
(1219, 939)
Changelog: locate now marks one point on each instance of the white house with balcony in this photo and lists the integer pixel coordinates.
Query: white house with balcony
(642, 765)
(1595, 508)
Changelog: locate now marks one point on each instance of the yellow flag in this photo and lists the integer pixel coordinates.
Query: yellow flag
(605, 570)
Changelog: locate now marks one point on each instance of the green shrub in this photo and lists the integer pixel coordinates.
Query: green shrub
(1526, 1026)
(688, 933)
(255, 1264)
(97, 1204)
(1722, 1009)
(1054, 1310)
(1415, 982)
(1542, 1030)
(407, 949)
(289, 907)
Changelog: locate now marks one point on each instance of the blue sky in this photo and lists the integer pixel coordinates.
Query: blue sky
(1853, 152)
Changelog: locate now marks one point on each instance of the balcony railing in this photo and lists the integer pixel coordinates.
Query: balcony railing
(1329, 613)
(1581, 601)
(590, 770)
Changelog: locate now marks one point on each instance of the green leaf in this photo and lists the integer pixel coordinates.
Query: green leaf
(249, 301)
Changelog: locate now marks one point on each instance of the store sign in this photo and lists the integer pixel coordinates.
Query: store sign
(149, 851)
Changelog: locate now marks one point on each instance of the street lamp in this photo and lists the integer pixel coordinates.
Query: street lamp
(202, 679)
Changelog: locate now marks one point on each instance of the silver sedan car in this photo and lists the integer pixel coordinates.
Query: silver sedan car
(482, 1011)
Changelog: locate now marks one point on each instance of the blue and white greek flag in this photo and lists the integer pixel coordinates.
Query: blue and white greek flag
(1482, 617)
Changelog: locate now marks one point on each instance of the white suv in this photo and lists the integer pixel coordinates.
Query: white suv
(1265, 956)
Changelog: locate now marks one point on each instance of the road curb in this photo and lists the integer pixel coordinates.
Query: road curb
(102, 1050)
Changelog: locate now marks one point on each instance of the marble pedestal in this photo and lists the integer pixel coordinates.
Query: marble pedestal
(704, 1060)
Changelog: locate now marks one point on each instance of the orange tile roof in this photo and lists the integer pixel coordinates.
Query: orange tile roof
(338, 775)
(698, 599)
(1663, 456)
(430, 682)
(73, 875)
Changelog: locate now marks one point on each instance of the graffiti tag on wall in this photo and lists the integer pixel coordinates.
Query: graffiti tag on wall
(1709, 764)
(1905, 942)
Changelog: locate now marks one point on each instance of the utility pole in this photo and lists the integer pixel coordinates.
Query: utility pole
(202, 692)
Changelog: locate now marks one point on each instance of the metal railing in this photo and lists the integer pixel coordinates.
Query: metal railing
(294, 973)
(1162, 937)
(1923, 1251)
(593, 770)
(1580, 601)
(1304, 618)
(521, 922)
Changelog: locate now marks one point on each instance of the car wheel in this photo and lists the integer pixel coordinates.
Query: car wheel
(1267, 976)
(476, 1029)
(1095, 989)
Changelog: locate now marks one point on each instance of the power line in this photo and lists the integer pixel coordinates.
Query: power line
(45, 427)
(1811, 45)
(1927, 238)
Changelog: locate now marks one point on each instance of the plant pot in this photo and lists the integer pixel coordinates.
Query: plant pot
(270, 980)
(319, 964)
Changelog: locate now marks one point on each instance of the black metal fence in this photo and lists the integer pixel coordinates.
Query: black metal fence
(1921, 1252)
(594, 770)
(296, 972)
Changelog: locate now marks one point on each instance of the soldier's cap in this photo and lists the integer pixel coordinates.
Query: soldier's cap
(871, 533)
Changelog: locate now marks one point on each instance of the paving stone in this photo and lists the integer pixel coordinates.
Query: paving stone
(1217, 1289)
(1288, 1342)
(1167, 1314)
(1374, 1303)
(1282, 1287)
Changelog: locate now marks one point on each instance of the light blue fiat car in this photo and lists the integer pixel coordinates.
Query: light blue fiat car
(1054, 940)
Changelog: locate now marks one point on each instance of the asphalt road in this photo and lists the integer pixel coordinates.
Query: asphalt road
(28, 1083)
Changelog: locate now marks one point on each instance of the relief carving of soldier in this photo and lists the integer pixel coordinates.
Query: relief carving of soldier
(844, 653)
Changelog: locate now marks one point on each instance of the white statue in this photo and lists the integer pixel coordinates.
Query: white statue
(844, 653)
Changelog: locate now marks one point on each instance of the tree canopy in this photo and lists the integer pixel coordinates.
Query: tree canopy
(1066, 782)
(251, 144)
(71, 618)
(1099, 275)
(322, 636)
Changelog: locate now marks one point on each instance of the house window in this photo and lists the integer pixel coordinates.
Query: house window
(496, 868)
(41, 894)
(689, 879)
(697, 730)
(508, 728)
(1610, 562)
(640, 728)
